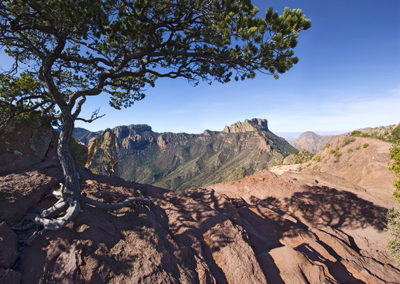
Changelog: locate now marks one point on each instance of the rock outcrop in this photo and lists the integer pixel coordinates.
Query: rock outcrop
(281, 231)
(180, 161)
(312, 233)
(255, 124)
(25, 143)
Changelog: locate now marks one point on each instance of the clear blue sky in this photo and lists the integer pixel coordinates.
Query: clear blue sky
(348, 77)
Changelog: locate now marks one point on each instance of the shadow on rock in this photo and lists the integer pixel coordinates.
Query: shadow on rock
(321, 205)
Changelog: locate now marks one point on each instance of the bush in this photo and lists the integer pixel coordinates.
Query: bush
(365, 145)
(350, 151)
(359, 134)
(393, 216)
(317, 158)
(327, 145)
(348, 140)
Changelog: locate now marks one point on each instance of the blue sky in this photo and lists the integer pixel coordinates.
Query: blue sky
(348, 77)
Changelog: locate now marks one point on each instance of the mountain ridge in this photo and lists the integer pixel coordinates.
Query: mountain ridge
(311, 141)
(180, 160)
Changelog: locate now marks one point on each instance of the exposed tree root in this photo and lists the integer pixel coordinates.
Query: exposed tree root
(45, 223)
(55, 224)
(116, 206)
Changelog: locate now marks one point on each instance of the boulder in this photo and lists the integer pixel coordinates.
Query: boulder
(24, 143)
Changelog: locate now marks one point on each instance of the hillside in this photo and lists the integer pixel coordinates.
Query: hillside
(264, 228)
(313, 232)
(179, 161)
(359, 161)
(84, 135)
(311, 141)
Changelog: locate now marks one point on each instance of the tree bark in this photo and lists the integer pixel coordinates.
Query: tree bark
(71, 189)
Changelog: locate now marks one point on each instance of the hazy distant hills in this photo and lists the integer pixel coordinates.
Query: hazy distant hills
(311, 141)
(84, 135)
(180, 160)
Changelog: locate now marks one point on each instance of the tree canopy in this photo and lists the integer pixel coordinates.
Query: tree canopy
(67, 50)
(64, 51)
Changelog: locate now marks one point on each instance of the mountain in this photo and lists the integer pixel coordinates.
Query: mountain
(84, 135)
(264, 228)
(179, 161)
(311, 141)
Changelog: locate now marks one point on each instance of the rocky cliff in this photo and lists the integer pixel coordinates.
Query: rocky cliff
(179, 161)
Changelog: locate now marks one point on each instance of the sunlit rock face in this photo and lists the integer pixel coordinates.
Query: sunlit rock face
(179, 160)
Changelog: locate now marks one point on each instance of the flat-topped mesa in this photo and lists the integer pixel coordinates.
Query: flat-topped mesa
(249, 125)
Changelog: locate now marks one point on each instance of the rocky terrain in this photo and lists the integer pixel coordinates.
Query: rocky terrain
(179, 161)
(311, 141)
(357, 162)
(264, 228)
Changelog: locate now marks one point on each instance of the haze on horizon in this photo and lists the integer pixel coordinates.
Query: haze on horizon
(347, 78)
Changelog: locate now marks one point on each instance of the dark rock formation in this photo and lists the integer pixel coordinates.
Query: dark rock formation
(24, 143)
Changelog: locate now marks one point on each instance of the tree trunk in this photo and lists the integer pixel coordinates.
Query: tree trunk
(71, 190)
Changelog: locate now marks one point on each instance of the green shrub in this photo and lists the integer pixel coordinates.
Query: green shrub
(95, 171)
(358, 148)
(393, 217)
(317, 158)
(359, 134)
(350, 151)
(365, 145)
(348, 140)
(337, 154)
(327, 145)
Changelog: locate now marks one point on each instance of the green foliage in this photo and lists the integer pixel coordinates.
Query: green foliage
(365, 145)
(299, 157)
(66, 50)
(350, 151)
(394, 214)
(359, 133)
(317, 158)
(384, 133)
(395, 167)
(347, 141)
(95, 171)
(395, 136)
(327, 145)
(393, 226)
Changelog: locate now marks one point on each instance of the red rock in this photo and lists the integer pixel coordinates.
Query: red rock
(8, 246)
(25, 143)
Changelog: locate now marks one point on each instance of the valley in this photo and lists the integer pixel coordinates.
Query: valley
(318, 221)
(179, 161)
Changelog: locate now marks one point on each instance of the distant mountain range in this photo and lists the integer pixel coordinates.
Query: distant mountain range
(312, 142)
(178, 160)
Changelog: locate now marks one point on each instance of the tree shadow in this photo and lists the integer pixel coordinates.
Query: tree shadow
(325, 206)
